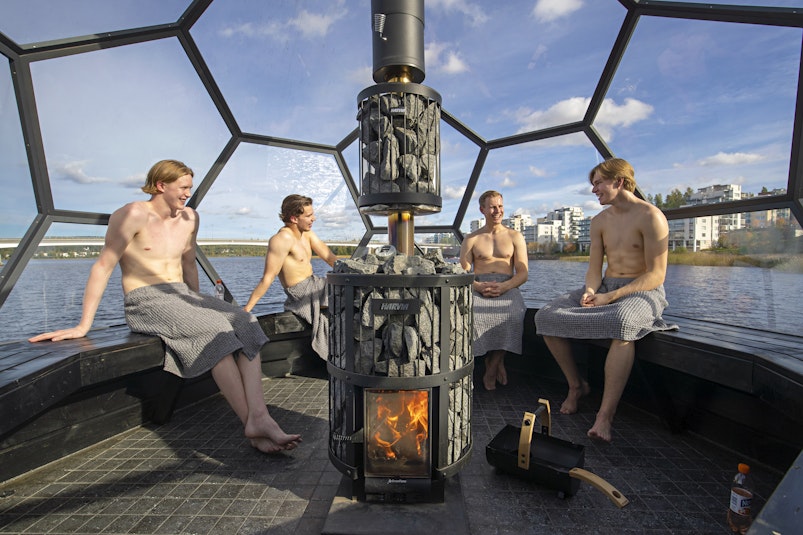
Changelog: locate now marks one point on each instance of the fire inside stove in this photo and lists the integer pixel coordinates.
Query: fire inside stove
(397, 433)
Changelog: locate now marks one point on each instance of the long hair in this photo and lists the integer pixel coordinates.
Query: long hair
(166, 171)
(615, 168)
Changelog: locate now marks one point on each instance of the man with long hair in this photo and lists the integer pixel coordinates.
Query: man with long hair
(154, 243)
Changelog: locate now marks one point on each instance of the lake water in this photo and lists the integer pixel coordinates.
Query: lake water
(49, 294)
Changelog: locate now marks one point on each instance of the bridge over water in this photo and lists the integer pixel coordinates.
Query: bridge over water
(87, 241)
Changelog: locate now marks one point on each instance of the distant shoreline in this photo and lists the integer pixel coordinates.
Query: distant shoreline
(792, 263)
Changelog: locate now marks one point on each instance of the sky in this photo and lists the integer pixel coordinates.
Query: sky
(693, 104)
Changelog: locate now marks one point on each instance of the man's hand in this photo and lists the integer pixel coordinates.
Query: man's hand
(489, 289)
(595, 299)
(63, 334)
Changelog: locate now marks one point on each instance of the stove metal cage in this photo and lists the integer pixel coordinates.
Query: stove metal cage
(400, 332)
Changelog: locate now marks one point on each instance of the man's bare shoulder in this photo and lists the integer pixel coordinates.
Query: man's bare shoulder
(283, 238)
(472, 235)
(137, 211)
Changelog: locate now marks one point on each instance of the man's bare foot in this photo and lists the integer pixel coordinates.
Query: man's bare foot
(501, 375)
(601, 430)
(265, 427)
(266, 445)
(489, 382)
(569, 405)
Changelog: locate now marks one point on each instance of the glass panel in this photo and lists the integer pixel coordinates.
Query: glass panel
(706, 103)
(29, 21)
(291, 71)
(537, 178)
(49, 294)
(243, 207)
(519, 65)
(17, 204)
(458, 157)
(107, 116)
(747, 269)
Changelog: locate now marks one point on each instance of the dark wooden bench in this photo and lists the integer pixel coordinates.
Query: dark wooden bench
(71, 394)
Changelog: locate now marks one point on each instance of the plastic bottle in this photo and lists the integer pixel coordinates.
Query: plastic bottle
(740, 511)
(220, 290)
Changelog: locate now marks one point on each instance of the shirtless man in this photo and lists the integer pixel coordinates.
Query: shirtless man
(624, 305)
(289, 256)
(154, 243)
(498, 255)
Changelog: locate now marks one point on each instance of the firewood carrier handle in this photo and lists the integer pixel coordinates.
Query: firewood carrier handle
(527, 426)
(606, 488)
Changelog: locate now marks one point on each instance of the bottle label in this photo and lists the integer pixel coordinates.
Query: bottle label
(741, 499)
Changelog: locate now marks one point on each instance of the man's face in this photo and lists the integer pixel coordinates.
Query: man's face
(305, 220)
(604, 189)
(493, 209)
(178, 192)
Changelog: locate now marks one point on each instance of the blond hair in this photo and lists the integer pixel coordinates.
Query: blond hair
(166, 171)
(613, 169)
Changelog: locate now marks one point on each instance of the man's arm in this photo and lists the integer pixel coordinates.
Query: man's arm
(123, 226)
(466, 256)
(321, 249)
(278, 249)
(520, 263)
(596, 256)
(189, 266)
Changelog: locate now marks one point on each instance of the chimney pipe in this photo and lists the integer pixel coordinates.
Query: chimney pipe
(399, 124)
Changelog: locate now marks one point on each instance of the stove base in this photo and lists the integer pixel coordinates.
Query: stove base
(350, 516)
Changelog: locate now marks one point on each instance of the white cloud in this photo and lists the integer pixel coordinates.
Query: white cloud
(313, 24)
(440, 57)
(551, 10)
(611, 116)
(450, 192)
(133, 181)
(310, 25)
(733, 158)
(535, 171)
(471, 10)
(251, 30)
(540, 51)
(454, 64)
(245, 210)
(74, 171)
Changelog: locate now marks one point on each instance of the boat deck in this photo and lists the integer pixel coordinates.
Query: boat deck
(197, 475)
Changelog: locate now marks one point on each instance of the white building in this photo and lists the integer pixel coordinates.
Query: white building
(694, 233)
(518, 222)
(768, 218)
(720, 193)
(699, 233)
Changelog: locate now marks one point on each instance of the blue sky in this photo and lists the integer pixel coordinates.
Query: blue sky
(693, 103)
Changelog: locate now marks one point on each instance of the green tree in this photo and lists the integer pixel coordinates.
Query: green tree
(674, 199)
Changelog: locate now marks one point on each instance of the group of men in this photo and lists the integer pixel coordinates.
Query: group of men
(154, 243)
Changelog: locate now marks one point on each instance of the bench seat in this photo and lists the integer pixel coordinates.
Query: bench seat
(59, 397)
(723, 381)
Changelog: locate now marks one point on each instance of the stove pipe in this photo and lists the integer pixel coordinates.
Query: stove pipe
(399, 125)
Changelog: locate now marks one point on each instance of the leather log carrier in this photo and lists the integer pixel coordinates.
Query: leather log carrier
(545, 459)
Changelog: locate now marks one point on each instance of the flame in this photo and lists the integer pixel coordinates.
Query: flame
(399, 426)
